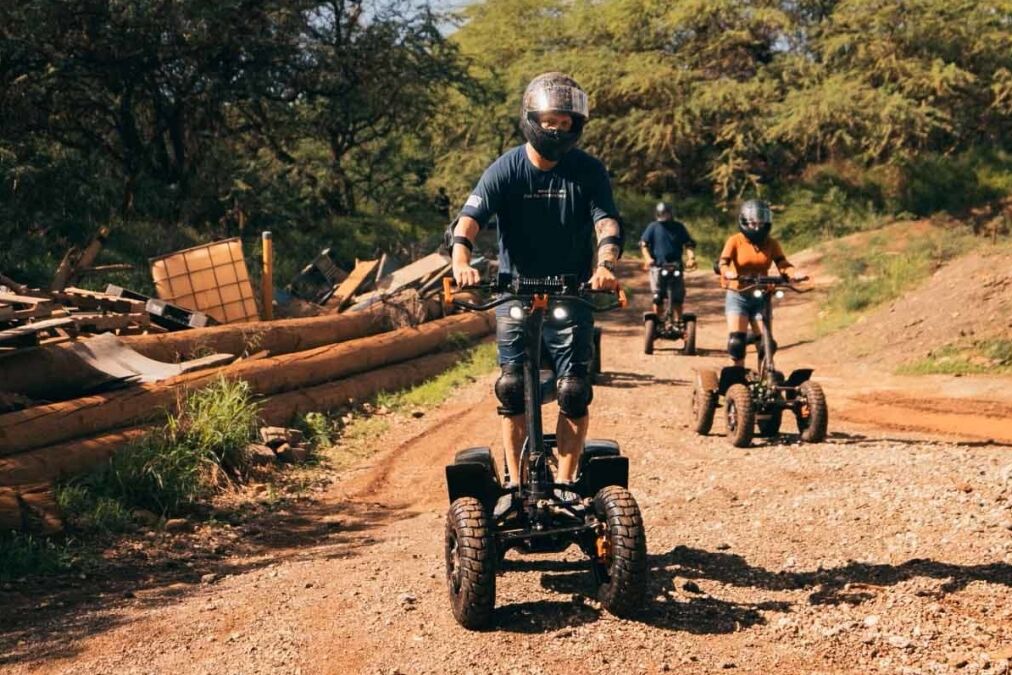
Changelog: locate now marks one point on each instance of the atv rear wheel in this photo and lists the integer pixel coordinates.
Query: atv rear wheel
(704, 405)
(649, 335)
(470, 563)
(620, 561)
(812, 412)
(690, 338)
(740, 415)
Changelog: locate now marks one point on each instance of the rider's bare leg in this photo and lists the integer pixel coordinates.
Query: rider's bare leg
(514, 430)
(571, 434)
(737, 323)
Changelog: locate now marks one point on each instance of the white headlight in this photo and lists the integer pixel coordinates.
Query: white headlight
(560, 314)
(757, 293)
(516, 312)
(677, 273)
(664, 273)
(779, 294)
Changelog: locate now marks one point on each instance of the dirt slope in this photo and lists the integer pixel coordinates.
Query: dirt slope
(876, 551)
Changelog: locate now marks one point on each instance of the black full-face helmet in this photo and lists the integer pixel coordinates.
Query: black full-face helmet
(663, 211)
(755, 219)
(553, 92)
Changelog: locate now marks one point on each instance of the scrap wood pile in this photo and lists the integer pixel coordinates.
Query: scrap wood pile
(73, 401)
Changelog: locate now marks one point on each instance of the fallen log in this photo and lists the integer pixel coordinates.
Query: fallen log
(30, 508)
(54, 372)
(45, 425)
(82, 455)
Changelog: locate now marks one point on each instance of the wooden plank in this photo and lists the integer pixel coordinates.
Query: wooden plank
(16, 299)
(405, 277)
(348, 287)
(33, 329)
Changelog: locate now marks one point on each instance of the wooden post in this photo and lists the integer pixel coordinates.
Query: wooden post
(268, 276)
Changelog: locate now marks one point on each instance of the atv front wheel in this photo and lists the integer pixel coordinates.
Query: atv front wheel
(740, 415)
(812, 412)
(704, 405)
(470, 563)
(649, 335)
(690, 338)
(620, 558)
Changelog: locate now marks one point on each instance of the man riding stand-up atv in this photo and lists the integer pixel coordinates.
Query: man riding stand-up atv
(554, 206)
(661, 244)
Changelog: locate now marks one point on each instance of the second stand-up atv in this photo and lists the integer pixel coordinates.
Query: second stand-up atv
(758, 398)
(596, 512)
(665, 326)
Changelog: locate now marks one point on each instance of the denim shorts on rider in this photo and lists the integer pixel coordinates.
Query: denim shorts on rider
(569, 342)
(743, 304)
(659, 284)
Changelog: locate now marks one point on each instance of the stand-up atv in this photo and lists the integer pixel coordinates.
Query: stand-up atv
(759, 397)
(596, 512)
(665, 326)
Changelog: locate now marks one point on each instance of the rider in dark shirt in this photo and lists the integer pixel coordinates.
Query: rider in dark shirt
(662, 243)
(553, 202)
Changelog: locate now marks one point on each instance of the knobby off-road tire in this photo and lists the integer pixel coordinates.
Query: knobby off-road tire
(470, 563)
(704, 405)
(740, 415)
(622, 578)
(690, 339)
(813, 413)
(649, 335)
(770, 426)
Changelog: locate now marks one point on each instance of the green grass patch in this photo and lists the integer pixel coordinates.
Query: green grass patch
(881, 270)
(980, 357)
(24, 554)
(173, 467)
(479, 361)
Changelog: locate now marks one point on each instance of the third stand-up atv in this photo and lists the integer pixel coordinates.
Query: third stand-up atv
(665, 326)
(759, 397)
(596, 512)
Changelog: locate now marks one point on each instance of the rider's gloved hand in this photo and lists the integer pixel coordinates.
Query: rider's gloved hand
(465, 275)
(730, 275)
(603, 280)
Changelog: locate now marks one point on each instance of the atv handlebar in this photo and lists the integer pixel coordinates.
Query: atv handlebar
(536, 291)
(770, 283)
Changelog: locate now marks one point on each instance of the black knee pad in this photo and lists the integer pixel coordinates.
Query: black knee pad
(509, 389)
(574, 394)
(658, 299)
(736, 345)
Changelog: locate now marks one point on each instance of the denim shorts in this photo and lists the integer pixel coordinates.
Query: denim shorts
(569, 342)
(659, 285)
(743, 304)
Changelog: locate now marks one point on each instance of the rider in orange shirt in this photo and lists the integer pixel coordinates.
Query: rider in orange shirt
(748, 253)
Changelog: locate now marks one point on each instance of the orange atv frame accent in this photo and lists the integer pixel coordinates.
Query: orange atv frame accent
(540, 302)
(447, 291)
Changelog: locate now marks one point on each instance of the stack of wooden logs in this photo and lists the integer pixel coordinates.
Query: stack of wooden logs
(296, 365)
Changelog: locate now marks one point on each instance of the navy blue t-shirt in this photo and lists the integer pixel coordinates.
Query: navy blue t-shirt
(546, 218)
(665, 240)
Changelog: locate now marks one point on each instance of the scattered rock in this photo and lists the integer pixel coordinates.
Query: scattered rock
(723, 547)
(145, 517)
(416, 413)
(299, 454)
(284, 453)
(898, 641)
(209, 578)
(177, 525)
(273, 437)
(260, 454)
(871, 620)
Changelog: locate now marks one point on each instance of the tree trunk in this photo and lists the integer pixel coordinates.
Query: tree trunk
(57, 422)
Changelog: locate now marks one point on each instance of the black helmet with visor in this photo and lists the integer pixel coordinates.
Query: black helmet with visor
(755, 220)
(553, 92)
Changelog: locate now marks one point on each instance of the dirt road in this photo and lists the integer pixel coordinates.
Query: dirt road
(880, 550)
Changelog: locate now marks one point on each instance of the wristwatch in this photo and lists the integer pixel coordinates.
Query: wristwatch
(607, 264)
